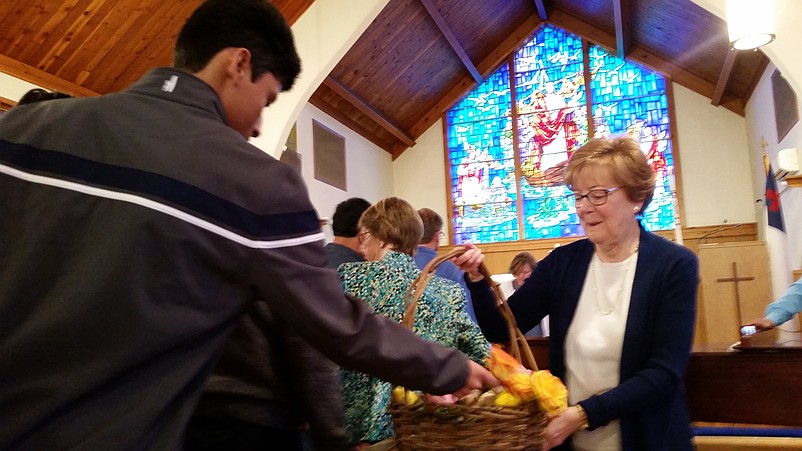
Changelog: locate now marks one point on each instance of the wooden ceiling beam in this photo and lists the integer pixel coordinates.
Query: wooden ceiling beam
(41, 78)
(337, 114)
(361, 105)
(541, 10)
(623, 26)
(452, 40)
(724, 77)
(644, 57)
(489, 64)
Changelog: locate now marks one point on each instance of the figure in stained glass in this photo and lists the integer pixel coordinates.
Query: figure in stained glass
(491, 183)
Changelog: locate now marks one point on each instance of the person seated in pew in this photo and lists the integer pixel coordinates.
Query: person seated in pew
(781, 310)
(621, 304)
(521, 267)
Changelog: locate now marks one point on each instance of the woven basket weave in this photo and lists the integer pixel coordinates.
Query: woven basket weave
(468, 427)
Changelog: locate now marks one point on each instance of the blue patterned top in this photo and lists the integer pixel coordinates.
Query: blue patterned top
(440, 316)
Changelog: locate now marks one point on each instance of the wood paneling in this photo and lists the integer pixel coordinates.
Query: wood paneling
(499, 255)
(90, 47)
(743, 388)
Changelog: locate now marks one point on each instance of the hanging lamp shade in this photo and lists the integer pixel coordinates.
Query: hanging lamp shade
(750, 23)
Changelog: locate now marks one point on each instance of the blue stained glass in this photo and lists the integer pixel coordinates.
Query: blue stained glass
(552, 122)
(549, 47)
(490, 100)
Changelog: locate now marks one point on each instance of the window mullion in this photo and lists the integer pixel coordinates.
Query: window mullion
(516, 151)
(588, 90)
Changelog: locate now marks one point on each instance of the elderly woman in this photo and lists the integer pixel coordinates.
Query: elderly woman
(621, 305)
(389, 233)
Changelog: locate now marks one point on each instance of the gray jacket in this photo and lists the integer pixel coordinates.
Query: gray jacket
(134, 229)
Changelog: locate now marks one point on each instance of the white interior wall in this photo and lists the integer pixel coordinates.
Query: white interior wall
(420, 174)
(784, 54)
(13, 88)
(369, 169)
(713, 152)
(323, 35)
(761, 125)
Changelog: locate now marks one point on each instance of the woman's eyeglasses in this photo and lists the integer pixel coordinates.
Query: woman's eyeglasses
(595, 196)
(362, 236)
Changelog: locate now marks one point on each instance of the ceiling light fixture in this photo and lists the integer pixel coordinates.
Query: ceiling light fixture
(750, 23)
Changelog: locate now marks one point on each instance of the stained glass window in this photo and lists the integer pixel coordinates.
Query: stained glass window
(539, 101)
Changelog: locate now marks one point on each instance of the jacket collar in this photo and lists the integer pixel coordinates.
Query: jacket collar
(181, 87)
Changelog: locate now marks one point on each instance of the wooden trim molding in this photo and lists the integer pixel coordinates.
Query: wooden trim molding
(6, 104)
(499, 255)
(41, 78)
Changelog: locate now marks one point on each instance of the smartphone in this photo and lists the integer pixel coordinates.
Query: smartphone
(748, 330)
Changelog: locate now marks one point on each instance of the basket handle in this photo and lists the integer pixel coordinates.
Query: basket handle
(415, 291)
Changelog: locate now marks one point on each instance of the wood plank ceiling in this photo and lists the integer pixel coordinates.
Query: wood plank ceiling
(414, 61)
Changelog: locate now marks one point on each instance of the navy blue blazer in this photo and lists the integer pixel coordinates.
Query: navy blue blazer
(650, 400)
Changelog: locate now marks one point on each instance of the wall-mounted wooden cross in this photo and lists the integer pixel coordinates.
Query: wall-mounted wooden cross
(735, 279)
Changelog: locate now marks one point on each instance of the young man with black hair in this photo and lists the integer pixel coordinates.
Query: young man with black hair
(135, 228)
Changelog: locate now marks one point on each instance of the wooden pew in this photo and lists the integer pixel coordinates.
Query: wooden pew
(758, 384)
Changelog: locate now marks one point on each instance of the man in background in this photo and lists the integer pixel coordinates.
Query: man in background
(345, 246)
(135, 229)
(427, 251)
(39, 95)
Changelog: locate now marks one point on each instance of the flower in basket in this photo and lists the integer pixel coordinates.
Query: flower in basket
(404, 396)
(549, 391)
(507, 399)
(527, 385)
(513, 376)
(519, 384)
(503, 365)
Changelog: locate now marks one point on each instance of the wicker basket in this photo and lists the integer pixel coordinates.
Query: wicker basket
(468, 427)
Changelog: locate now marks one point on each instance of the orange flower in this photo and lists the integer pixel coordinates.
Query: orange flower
(513, 376)
(503, 365)
(549, 391)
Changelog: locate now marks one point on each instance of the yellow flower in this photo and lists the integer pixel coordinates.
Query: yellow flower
(412, 398)
(507, 399)
(549, 391)
(520, 385)
(399, 395)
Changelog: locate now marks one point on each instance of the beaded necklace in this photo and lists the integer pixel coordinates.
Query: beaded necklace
(619, 293)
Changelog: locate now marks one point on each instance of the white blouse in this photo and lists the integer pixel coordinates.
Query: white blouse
(594, 342)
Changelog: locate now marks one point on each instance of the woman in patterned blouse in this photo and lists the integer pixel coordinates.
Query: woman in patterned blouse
(389, 233)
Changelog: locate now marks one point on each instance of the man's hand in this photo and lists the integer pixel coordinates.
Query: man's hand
(479, 377)
(762, 324)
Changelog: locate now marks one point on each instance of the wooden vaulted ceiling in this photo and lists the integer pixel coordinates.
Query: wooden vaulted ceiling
(414, 61)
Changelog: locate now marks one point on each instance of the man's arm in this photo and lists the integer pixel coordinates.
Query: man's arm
(291, 276)
(781, 310)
